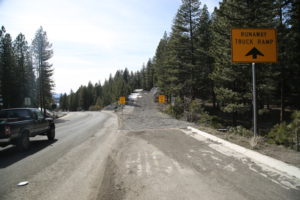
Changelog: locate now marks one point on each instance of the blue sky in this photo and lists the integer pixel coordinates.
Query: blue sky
(93, 38)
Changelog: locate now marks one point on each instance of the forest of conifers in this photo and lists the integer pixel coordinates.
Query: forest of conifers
(192, 64)
(25, 72)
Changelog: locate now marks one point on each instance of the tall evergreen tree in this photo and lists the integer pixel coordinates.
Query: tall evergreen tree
(63, 102)
(8, 77)
(287, 68)
(24, 70)
(149, 75)
(293, 53)
(73, 101)
(181, 54)
(42, 52)
(204, 66)
(161, 74)
(83, 98)
(2, 33)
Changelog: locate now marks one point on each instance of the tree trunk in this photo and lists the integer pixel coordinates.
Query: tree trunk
(193, 92)
(282, 105)
(297, 137)
(214, 99)
(234, 117)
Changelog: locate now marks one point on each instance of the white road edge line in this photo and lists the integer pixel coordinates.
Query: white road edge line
(266, 160)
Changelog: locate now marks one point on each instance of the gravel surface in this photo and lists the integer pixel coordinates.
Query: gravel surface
(154, 159)
(144, 114)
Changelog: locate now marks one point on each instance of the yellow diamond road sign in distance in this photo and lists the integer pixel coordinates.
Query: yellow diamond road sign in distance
(162, 99)
(122, 100)
(253, 45)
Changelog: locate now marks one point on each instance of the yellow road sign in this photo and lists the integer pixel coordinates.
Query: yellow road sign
(253, 45)
(162, 99)
(122, 100)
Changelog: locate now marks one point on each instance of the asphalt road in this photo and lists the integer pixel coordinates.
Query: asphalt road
(82, 141)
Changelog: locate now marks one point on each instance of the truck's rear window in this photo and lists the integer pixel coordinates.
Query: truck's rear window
(14, 114)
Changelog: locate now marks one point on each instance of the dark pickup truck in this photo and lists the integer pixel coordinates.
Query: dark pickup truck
(18, 124)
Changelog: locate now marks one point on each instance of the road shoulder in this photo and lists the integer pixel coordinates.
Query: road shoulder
(258, 157)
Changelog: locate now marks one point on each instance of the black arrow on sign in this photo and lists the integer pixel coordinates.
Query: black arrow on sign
(254, 52)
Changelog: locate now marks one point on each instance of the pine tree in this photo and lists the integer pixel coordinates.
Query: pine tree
(8, 76)
(203, 84)
(24, 70)
(149, 75)
(2, 33)
(42, 52)
(83, 98)
(98, 92)
(181, 53)
(107, 91)
(90, 96)
(73, 101)
(63, 102)
(293, 53)
(160, 64)
(287, 69)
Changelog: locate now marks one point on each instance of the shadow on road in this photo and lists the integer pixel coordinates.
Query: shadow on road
(58, 121)
(11, 155)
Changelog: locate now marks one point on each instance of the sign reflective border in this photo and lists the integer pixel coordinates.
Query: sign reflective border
(122, 100)
(162, 99)
(253, 45)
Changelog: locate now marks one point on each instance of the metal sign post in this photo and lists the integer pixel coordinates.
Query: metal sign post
(253, 45)
(254, 101)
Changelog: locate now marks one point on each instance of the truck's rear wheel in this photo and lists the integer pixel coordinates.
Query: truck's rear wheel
(23, 142)
(51, 134)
